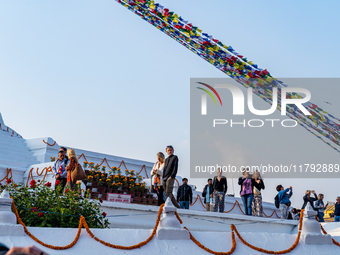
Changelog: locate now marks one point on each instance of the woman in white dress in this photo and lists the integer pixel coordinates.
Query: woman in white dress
(157, 178)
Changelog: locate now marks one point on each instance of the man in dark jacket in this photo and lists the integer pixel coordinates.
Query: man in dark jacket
(207, 194)
(337, 210)
(169, 174)
(184, 194)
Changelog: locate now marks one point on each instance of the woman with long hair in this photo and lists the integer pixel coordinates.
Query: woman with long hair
(74, 170)
(257, 209)
(157, 178)
(247, 186)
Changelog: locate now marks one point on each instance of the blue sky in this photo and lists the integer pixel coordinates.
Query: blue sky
(93, 75)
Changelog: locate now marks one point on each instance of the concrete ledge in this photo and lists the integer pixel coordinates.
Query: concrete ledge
(133, 216)
(11, 230)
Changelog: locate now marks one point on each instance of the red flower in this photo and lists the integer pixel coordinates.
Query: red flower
(41, 214)
(100, 200)
(104, 214)
(34, 209)
(32, 184)
(66, 190)
(48, 184)
(57, 182)
(8, 181)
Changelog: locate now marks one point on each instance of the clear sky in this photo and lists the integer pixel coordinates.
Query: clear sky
(93, 75)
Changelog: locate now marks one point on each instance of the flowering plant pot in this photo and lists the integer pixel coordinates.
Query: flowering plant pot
(95, 184)
(137, 199)
(101, 190)
(94, 195)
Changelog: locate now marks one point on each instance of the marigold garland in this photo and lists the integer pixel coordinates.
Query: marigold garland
(44, 170)
(324, 231)
(121, 247)
(42, 243)
(268, 251)
(121, 163)
(233, 247)
(50, 144)
(8, 171)
(178, 218)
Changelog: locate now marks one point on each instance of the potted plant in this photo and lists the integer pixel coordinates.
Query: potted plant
(118, 171)
(101, 186)
(85, 164)
(114, 170)
(108, 185)
(114, 187)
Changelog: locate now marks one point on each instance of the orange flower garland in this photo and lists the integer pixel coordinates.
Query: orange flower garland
(139, 245)
(233, 247)
(267, 251)
(42, 243)
(178, 218)
(50, 144)
(9, 171)
(324, 231)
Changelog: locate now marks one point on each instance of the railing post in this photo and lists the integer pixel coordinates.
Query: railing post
(311, 230)
(169, 227)
(8, 220)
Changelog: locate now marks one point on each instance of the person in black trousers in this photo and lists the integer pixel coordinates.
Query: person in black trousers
(219, 190)
(169, 174)
(258, 184)
(207, 194)
(184, 194)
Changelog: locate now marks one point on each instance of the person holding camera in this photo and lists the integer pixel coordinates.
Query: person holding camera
(284, 196)
(308, 199)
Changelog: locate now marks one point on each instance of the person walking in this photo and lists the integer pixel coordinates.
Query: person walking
(184, 194)
(219, 190)
(337, 210)
(157, 178)
(169, 174)
(207, 194)
(257, 209)
(74, 171)
(284, 200)
(320, 207)
(247, 186)
(308, 199)
(59, 166)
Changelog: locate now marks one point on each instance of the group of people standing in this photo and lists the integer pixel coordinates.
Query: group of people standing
(68, 172)
(163, 175)
(214, 193)
(67, 169)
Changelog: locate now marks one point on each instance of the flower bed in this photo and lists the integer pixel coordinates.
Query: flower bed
(40, 206)
(100, 182)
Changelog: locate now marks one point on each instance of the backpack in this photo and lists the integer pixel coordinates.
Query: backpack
(277, 201)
